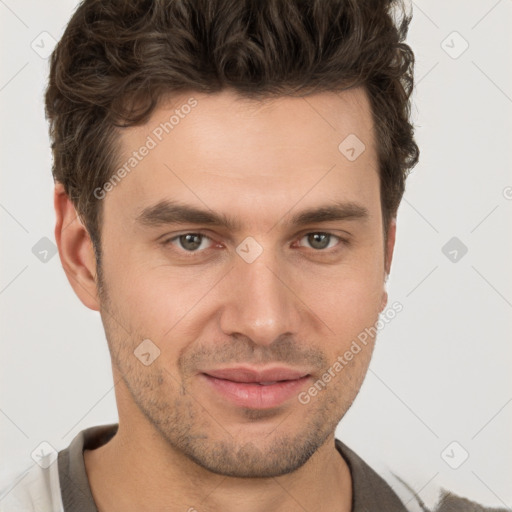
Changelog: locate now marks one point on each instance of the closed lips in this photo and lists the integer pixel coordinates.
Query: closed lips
(263, 377)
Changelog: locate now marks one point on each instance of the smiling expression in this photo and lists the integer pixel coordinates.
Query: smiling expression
(248, 248)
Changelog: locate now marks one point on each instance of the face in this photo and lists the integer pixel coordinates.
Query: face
(247, 249)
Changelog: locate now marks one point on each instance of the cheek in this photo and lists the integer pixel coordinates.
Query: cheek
(350, 309)
(159, 301)
(347, 303)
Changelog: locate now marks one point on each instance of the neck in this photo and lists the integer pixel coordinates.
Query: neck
(128, 474)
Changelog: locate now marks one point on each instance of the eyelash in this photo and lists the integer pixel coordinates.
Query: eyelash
(191, 254)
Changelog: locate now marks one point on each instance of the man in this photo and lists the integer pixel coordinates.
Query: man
(228, 175)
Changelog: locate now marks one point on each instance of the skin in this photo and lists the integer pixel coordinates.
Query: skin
(180, 445)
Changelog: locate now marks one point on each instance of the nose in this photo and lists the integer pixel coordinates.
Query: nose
(260, 302)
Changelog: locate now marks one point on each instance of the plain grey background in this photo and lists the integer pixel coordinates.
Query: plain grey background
(439, 386)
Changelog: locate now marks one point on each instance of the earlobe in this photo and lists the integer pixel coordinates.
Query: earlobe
(75, 249)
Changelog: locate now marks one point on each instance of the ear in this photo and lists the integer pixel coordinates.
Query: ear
(390, 246)
(75, 250)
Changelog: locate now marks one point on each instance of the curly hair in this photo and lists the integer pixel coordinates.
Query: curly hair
(118, 60)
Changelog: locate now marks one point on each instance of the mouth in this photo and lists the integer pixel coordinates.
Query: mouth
(253, 388)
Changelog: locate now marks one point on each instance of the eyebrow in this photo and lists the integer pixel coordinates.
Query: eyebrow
(173, 212)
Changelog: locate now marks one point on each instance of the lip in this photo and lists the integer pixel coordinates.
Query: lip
(241, 385)
(248, 374)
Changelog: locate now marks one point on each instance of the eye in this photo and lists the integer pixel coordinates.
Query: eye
(194, 243)
(189, 242)
(321, 240)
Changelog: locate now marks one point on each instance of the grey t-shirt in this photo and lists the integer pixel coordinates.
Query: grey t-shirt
(61, 485)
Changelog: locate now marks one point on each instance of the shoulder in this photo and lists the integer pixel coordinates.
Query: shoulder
(385, 491)
(449, 502)
(438, 499)
(36, 489)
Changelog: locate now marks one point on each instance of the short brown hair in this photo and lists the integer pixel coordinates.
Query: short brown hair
(118, 59)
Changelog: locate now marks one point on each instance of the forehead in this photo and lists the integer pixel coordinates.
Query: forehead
(234, 154)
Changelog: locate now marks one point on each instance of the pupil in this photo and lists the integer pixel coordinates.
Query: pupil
(191, 241)
(319, 240)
